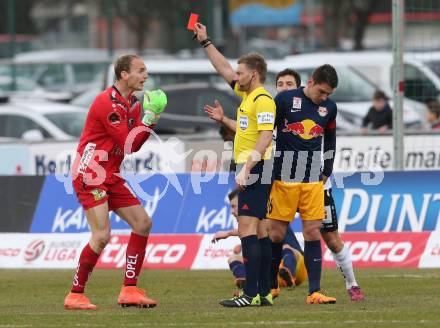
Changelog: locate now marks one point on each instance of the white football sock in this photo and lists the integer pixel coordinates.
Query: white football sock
(343, 261)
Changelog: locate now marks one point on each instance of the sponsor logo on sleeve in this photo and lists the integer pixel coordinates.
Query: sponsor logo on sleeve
(265, 118)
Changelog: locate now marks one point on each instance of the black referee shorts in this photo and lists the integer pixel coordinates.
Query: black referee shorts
(252, 201)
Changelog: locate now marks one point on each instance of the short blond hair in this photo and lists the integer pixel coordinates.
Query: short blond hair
(255, 61)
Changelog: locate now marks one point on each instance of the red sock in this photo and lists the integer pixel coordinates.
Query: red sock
(87, 262)
(134, 258)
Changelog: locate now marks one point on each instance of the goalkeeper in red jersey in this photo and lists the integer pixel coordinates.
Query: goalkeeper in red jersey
(114, 127)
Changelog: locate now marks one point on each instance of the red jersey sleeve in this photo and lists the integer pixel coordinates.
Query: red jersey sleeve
(144, 133)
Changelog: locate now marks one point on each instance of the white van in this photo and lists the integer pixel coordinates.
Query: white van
(173, 71)
(376, 66)
(65, 70)
(421, 70)
(353, 94)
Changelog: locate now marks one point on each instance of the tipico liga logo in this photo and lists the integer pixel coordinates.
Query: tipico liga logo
(34, 250)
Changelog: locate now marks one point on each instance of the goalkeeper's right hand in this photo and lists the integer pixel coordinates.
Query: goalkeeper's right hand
(154, 104)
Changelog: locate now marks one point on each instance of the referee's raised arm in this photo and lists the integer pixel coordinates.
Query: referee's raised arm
(220, 63)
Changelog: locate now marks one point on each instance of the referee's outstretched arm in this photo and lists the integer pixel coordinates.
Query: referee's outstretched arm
(220, 63)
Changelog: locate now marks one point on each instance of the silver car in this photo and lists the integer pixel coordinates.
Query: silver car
(37, 120)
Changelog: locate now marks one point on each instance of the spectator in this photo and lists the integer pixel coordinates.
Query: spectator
(379, 115)
(433, 115)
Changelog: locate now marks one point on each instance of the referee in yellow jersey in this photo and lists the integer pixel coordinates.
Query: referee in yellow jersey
(252, 147)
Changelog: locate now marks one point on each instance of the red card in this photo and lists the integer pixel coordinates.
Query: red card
(193, 19)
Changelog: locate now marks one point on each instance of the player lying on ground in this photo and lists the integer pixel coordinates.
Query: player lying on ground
(105, 139)
(292, 270)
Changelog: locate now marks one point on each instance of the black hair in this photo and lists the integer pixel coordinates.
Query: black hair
(233, 194)
(325, 74)
(291, 72)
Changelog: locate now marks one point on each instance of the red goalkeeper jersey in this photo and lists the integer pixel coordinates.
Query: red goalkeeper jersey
(102, 145)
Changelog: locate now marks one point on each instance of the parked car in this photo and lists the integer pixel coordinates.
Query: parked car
(353, 95)
(22, 84)
(63, 70)
(184, 112)
(168, 71)
(421, 72)
(27, 89)
(86, 99)
(38, 120)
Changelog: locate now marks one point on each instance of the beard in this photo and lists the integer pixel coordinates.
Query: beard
(245, 87)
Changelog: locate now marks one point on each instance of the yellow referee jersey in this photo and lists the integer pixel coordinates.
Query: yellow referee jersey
(255, 113)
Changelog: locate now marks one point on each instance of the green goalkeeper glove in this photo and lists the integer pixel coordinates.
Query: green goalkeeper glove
(154, 104)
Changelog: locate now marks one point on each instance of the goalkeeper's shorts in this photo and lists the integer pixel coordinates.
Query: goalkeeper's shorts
(118, 194)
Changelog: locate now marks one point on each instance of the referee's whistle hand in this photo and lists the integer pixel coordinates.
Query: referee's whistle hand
(200, 31)
(241, 179)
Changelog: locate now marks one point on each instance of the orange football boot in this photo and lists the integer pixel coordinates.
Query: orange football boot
(320, 298)
(134, 296)
(78, 301)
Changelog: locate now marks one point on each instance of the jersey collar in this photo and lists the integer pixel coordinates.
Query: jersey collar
(119, 98)
(256, 91)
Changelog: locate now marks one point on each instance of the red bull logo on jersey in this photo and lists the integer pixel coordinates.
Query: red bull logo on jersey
(306, 129)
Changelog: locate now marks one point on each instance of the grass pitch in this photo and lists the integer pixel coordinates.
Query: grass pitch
(395, 298)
